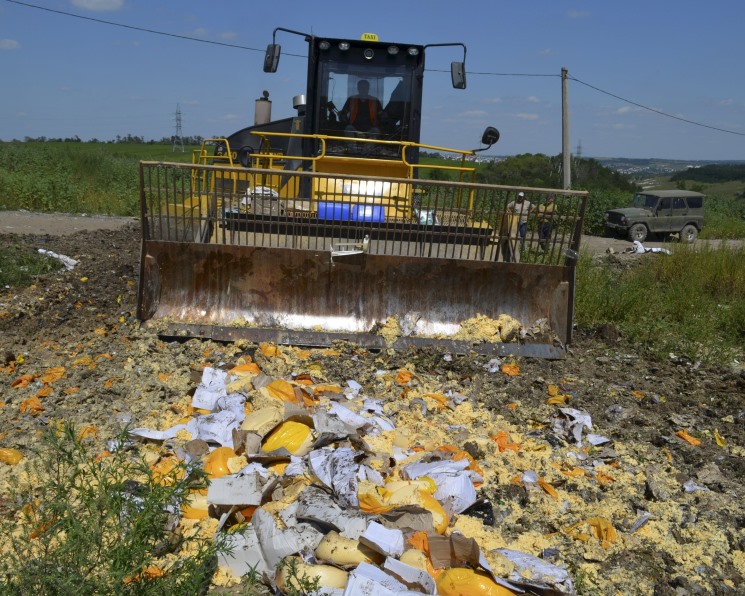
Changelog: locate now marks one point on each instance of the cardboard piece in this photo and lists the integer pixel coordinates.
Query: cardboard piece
(409, 517)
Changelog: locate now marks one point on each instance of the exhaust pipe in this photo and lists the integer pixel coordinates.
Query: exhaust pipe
(263, 110)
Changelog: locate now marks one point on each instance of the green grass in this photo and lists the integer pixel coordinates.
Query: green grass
(19, 264)
(688, 303)
(90, 525)
(100, 178)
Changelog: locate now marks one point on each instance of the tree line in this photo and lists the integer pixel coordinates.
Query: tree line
(128, 139)
(712, 173)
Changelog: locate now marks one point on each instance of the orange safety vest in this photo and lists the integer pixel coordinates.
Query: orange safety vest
(354, 108)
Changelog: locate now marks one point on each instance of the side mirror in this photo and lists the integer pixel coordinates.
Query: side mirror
(271, 58)
(490, 136)
(458, 74)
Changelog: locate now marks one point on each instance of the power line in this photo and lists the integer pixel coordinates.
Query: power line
(660, 112)
(495, 74)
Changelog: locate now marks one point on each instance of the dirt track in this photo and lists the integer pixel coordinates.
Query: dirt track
(61, 224)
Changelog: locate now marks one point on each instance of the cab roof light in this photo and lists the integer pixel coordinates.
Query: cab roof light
(343, 46)
(393, 50)
(413, 51)
(324, 45)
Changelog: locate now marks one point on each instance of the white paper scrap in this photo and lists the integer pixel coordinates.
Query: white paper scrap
(387, 541)
(537, 571)
(337, 469)
(455, 491)
(214, 428)
(411, 575)
(157, 435)
(347, 416)
(370, 580)
(243, 553)
(68, 262)
(444, 466)
(238, 489)
(211, 388)
(579, 420)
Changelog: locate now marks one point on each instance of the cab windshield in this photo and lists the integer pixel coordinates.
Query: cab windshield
(645, 201)
(383, 111)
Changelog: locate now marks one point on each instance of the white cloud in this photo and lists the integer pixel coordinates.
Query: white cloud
(533, 99)
(623, 110)
(473, 114)
(727, 102)
(9, 44)
(526, 116)
(200, 32)
(491, 100)
(99, 5)
(227, 35)
(578, 14)
(546, 52)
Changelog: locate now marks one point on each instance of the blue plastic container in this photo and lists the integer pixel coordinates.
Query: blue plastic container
(368, 213)
(333, 211)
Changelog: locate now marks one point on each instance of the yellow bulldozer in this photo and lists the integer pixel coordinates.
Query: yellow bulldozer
(329, 226)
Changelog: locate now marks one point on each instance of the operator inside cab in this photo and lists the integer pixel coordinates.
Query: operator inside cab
(362, 112)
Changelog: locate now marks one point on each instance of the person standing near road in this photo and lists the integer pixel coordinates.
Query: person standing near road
(546, 214)
(522, 209)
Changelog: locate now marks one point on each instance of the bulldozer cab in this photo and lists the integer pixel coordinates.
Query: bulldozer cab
(368, 91)
(329, 226)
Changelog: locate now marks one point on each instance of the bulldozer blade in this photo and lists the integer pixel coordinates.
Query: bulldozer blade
(309, 297)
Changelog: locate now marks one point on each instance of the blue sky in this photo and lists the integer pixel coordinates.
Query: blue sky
(65, 76)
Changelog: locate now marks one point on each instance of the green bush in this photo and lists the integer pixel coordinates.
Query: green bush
(96, 525)
(689, 303)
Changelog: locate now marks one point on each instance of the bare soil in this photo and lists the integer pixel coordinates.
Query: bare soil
(83, 321)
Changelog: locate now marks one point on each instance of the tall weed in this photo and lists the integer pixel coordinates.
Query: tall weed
(87, 524)
(689, 302)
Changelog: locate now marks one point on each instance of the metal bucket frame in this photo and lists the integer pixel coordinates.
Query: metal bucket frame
(317, 269)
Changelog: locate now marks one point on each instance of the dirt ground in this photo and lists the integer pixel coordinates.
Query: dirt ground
(670, 480)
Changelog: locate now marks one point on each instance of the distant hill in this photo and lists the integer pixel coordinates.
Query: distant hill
(712, 173)
(641, 169)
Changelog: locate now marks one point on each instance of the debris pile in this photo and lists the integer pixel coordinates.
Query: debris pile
(656, 509)
(352, 492)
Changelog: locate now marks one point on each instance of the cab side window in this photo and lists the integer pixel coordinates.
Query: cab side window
(679, 203)
(695, 202)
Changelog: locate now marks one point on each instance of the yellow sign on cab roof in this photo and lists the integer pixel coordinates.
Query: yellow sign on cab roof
(369, 37)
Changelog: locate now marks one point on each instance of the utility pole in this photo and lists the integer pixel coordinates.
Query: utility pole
(565, 151)
(178, 141)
